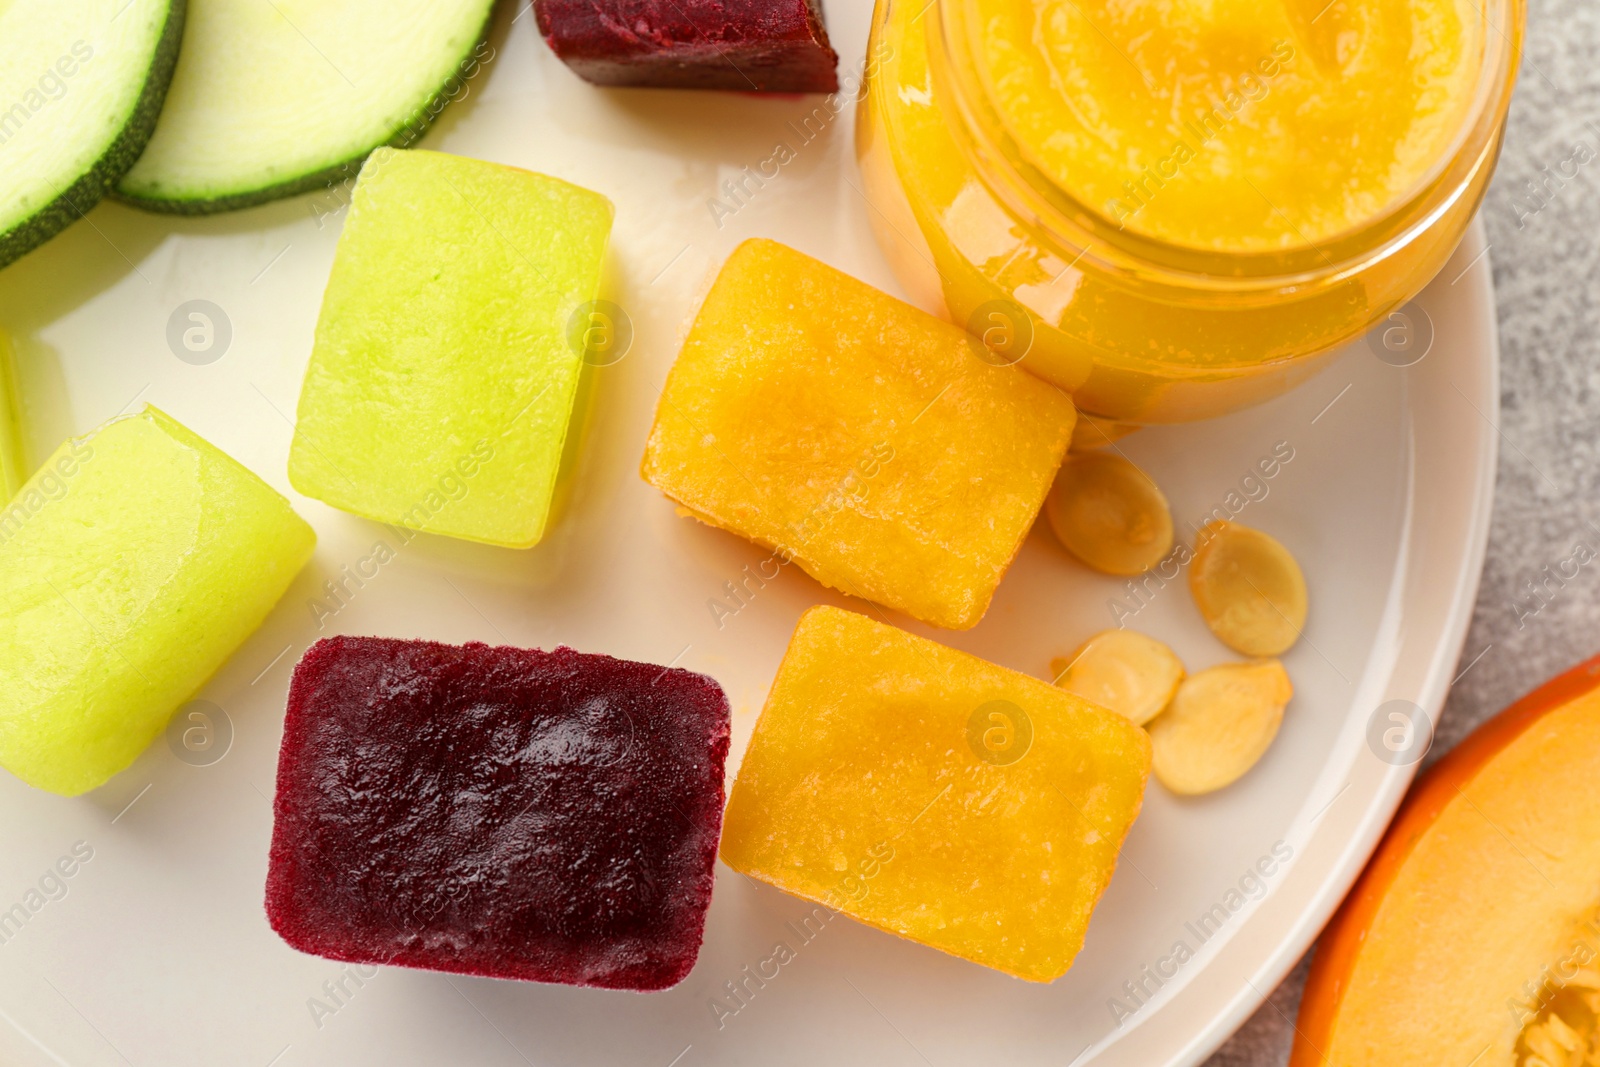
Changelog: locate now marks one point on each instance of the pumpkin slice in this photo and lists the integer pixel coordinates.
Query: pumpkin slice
(1473, 937)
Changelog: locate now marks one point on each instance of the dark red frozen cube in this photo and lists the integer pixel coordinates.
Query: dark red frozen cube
(773, 46)
(497, 811)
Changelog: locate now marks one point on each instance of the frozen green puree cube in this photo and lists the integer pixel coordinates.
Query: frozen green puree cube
(449, 347)
(132, 564)
(11, 465)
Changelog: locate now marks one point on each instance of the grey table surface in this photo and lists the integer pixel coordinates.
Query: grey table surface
(1544, 241)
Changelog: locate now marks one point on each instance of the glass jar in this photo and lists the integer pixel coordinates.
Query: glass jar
(1138, 329)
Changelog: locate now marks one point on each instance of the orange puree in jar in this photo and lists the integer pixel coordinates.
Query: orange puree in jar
(1178, 207)
(1234, 125)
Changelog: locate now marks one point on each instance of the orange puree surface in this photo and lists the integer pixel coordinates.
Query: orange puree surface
(1231, 125)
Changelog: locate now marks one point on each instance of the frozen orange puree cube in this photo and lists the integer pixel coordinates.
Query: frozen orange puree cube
(934, 795)
(890, 454)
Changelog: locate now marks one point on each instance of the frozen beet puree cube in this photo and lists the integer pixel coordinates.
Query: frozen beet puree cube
(877, 446)
(778, 46)
(447, 359)
(132, 564)
(550, 816)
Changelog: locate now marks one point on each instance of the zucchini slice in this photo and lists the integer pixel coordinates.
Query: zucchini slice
(81, 84)
(277, 97)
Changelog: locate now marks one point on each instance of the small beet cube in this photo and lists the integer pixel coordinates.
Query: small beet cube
(550, 816)
(771, 46)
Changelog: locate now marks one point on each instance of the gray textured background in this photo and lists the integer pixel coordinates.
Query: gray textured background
(1545, 247)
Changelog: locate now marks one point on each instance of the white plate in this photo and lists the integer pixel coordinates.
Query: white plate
(159, 953)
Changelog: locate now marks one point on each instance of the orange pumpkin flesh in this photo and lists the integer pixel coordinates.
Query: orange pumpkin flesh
(1476, 923)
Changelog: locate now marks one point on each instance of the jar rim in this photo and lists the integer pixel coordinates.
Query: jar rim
(1081, 232)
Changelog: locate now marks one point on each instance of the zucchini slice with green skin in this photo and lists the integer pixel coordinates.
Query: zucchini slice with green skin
(274, 99)
(81, 85)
